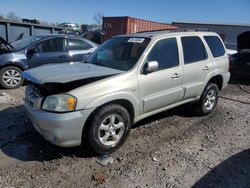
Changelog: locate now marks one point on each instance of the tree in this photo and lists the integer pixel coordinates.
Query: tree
(98, 18)
(1, 17)
(12, 16)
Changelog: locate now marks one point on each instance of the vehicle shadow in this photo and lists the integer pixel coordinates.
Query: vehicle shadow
(233, 172)
(185, 110)
(19, 140)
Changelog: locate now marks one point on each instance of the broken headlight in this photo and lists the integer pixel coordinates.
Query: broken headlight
(59, 103)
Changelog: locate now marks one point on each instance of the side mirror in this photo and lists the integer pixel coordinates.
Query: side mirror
(32, 51)
(151, 66)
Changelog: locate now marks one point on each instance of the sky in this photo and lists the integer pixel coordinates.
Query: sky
(82, 11)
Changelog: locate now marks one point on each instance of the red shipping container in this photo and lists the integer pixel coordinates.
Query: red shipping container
(126, 25)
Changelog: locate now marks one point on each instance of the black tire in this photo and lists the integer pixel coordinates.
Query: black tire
(93, 132)
(200, 106)
(17, 71)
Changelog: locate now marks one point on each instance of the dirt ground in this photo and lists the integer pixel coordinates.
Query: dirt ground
(171, 149)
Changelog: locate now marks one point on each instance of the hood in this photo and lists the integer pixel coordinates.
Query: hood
(5, 46)
(243, 41)
(67, 72)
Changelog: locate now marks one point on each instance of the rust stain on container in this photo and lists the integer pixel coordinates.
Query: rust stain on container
(126, 25)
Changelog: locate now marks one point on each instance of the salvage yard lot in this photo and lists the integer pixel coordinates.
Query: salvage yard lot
(173, 148)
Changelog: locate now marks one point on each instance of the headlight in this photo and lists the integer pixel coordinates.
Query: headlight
(59, 103)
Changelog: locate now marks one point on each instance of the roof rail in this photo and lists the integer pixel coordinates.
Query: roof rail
(177, 30)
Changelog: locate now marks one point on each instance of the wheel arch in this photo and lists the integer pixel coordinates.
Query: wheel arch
(218, 80)
(13, 65)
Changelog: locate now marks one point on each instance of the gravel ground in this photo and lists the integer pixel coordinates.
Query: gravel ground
(171, 149)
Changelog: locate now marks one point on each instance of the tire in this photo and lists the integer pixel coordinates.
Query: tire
(10, 77)
(105, 125)
(208, 100)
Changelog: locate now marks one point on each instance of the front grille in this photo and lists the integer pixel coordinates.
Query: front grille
(33, 96)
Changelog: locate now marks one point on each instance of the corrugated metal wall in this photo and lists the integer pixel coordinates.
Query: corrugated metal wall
(126, 25)
(10, 30)
(228, 32)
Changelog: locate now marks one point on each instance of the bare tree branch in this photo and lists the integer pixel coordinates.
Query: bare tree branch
(98, 18)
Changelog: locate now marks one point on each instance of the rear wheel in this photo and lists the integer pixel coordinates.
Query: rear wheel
(109, 129)
(208, 100)
(10, 77)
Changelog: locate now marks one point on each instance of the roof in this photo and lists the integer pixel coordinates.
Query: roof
(212, 23)
(152, 34)
(56, 35)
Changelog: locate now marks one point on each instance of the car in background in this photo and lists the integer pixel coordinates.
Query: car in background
(240, 61)
(38, 50)
(70, 28)
(96, 36)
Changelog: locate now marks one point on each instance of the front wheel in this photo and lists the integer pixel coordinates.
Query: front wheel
(109, 129)
(10, 77)
(208, 100)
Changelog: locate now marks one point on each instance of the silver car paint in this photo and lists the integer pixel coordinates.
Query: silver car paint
(63, 73)
(149, 94)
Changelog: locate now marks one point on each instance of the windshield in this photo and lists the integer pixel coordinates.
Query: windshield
(120, 53)
(23, 43)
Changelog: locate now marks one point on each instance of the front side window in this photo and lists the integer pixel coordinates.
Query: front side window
(51, 45)
(215, 45)
(75, 44)
(193, 49)
(165, 52)
(120, 53)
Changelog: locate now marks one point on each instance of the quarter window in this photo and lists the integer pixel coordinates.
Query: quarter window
(215, 45)
(193, 49)
(165, 52)
(78, 45)
(51, 45)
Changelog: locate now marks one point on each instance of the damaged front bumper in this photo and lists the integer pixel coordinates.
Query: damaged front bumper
(61, 129)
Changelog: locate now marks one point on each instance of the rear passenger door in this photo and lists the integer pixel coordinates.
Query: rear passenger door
(164, 86)
(79, 49)
(197, 65)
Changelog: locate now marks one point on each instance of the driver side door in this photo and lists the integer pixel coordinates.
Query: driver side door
(48, 51)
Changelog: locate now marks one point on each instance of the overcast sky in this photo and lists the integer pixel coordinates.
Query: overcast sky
(82, 11)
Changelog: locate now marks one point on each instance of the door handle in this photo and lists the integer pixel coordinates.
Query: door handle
(176, 75)
(206, 68)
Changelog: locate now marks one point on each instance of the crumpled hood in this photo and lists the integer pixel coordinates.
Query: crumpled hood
(67, 72)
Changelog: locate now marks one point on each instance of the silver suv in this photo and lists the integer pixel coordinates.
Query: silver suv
(128, 78)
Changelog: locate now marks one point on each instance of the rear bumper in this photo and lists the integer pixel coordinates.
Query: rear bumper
(61, 129)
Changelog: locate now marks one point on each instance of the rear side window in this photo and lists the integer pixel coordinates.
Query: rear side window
(215, 45)
(75, 44)
(165, 52)
(193, 49)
